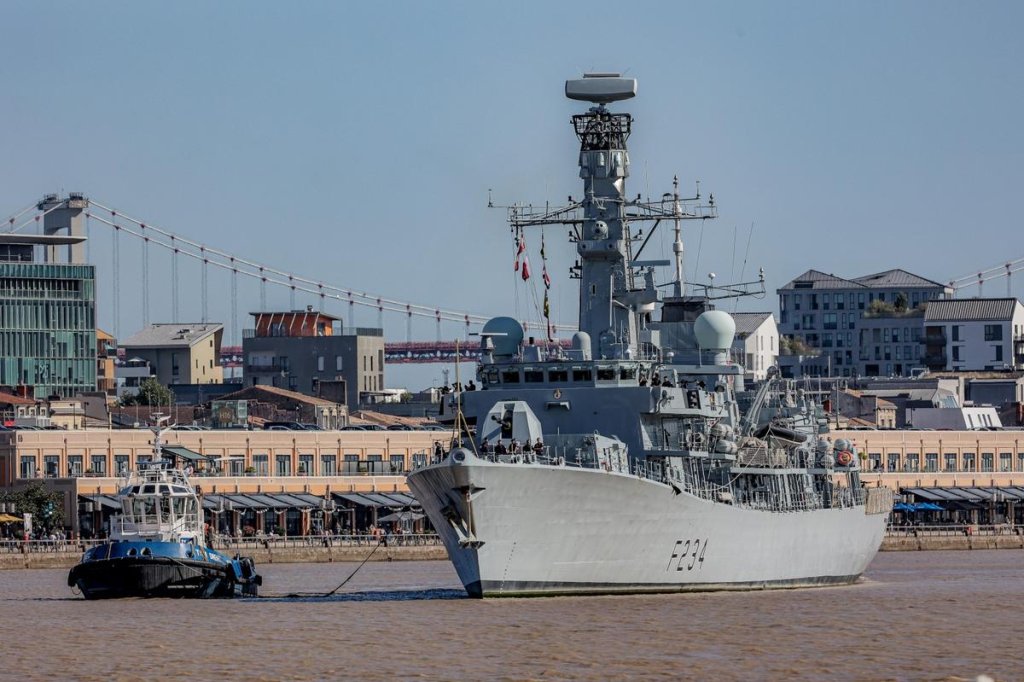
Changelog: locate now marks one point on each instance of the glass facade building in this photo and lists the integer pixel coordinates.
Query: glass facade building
(47, 326)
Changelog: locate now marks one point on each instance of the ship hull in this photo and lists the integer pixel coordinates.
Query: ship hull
(110, 572)
(528, 529)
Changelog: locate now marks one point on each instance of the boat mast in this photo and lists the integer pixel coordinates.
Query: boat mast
(603, 244)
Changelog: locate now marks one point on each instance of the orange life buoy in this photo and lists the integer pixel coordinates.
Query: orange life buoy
(844, 457)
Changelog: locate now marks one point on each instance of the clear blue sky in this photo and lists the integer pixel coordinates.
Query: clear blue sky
(356, 143)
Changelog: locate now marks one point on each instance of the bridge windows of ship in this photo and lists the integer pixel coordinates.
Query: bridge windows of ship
(558, 376)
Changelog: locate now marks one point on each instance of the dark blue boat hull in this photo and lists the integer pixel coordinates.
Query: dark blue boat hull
(131, 569)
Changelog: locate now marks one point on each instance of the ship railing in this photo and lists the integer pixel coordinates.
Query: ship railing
(180, 524)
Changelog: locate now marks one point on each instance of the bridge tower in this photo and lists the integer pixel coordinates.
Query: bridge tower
(65, 214)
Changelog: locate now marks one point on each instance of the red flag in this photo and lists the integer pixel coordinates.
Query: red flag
(545, 277)
(526, 268)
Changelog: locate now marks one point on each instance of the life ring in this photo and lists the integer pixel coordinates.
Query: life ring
(844, 458)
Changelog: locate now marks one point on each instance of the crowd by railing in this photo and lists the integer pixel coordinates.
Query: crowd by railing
(227, 542)
(326, 540)
(952, 530)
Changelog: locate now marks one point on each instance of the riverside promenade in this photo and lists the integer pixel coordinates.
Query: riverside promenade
(306, 549)
(349, 548)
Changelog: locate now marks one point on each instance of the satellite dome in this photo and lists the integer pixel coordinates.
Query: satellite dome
(715, 330)
(505, 332)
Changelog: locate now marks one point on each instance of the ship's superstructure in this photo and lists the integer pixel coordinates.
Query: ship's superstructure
(623, 463)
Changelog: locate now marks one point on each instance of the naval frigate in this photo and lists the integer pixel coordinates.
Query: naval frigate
(622, 462)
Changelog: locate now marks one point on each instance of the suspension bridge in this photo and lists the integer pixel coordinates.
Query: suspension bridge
(133, 240)
(126, 232)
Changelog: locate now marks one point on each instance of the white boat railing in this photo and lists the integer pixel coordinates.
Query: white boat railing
(692, 479)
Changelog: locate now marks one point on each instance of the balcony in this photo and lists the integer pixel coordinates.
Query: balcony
(274, 366)
(933, 339)
(934, 359)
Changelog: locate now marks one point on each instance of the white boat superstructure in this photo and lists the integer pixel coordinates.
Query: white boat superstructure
(159, 503)
(623, 463)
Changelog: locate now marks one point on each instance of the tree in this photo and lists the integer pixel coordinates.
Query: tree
(878, 307)
(900, 304)
(45, 506)
(151, 392)
(795, 346)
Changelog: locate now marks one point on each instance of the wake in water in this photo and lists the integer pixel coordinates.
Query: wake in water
(365, 596)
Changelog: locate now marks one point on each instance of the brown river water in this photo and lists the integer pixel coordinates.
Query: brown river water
(915, 616)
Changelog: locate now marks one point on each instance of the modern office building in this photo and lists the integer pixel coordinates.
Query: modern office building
(825, 314)
(48, 306)
(308, 351)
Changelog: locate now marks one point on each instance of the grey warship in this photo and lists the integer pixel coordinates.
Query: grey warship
(642, 472)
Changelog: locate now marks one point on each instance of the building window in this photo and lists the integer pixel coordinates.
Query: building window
(950, 461)
(993, 332)
(28, 467)
(875, 460)
(99, 465)
(998, 351)
(894, 462)
(320, 363)
(829, 321)
(397, 464)
(986, 461)
(376, 464)
(956, 332)
(1006, 461)
(328, 465)
(306, 465)
(956, 353)
(419, 460)
(262, 464)
(284, 465)
(969, 462)
(337, 363)
(74, 465)
(351, 464)
(51, 466)
(931, 462)
(913, 462)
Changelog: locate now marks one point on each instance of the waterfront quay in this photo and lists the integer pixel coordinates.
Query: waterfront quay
(17, 554)
(283, 483)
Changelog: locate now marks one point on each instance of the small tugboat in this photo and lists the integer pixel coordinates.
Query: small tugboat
(157, 547)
